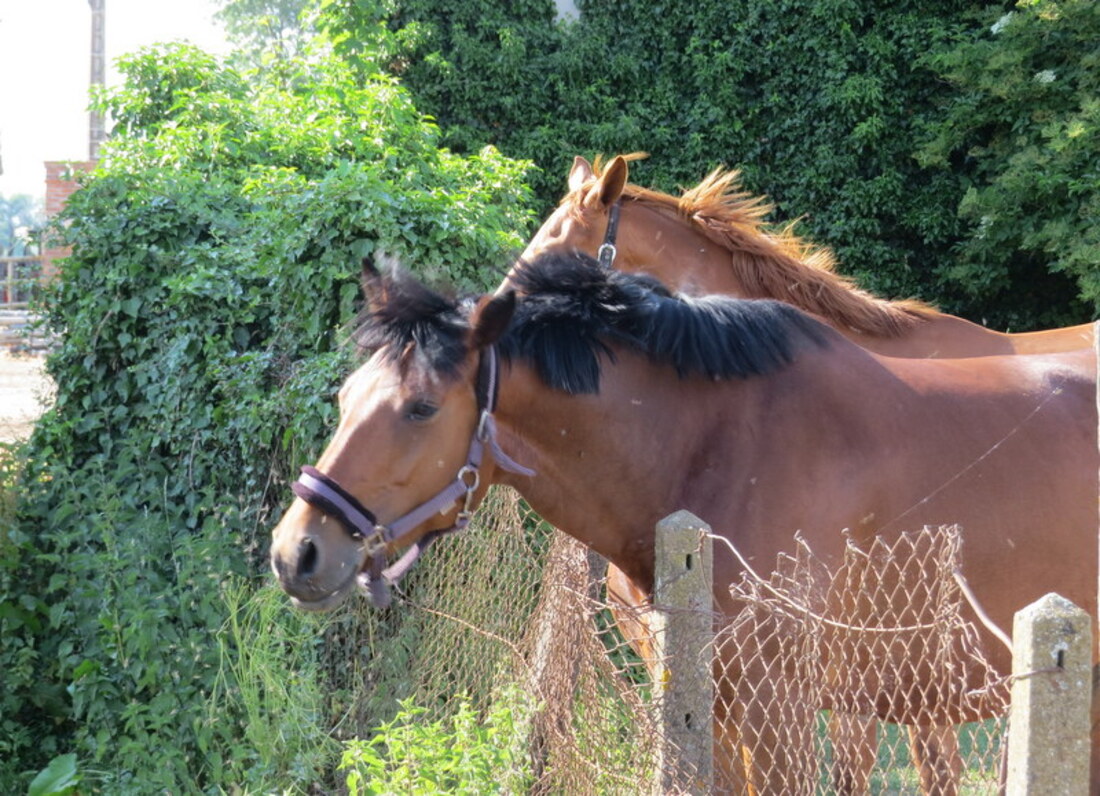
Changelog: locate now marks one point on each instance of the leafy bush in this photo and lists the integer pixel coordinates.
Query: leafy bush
(470, 756)
(270, 673)
(29, 705)
(59, 778)
(201, 318)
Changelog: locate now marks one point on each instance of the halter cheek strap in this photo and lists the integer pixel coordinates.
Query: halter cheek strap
(324, 493)
(607, 252)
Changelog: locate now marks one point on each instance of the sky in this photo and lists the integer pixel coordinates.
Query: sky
(45, 60)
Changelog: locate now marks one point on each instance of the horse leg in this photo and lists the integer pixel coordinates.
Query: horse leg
(934, 751)
(855, 745)
(765, 735)
(777, 732)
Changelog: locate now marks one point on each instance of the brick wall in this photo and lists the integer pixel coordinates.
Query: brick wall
(60, 183)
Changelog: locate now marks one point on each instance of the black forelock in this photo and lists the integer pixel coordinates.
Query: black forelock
(408, 314)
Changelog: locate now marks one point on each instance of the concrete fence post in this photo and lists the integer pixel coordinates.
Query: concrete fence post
(683, 629)
(1048, 728)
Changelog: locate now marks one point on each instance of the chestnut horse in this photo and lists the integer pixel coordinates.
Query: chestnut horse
(712, 240)
(776, 424)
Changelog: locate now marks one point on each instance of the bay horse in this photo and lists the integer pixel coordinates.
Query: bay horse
(776, 424)
(712, 239)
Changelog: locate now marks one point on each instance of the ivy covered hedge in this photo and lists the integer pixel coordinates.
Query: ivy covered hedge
(201, 321)
(1023, 116)
(825, 105)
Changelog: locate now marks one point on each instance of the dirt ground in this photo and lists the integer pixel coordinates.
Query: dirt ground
(24, 390)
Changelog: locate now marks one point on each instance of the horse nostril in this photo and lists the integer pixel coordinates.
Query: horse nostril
(307, 557)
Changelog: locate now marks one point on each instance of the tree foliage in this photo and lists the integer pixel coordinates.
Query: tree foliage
(821, 103)
(202, 317)
(1024, 127)
(266, 33)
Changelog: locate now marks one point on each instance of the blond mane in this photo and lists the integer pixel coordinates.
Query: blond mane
(768, 264)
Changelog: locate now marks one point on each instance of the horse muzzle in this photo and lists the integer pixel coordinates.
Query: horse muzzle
(316, 563)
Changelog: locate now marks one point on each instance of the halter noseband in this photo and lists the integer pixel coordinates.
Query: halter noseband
(322, 492)
(607, 251)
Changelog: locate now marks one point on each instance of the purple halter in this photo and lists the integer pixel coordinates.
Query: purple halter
(322, 492)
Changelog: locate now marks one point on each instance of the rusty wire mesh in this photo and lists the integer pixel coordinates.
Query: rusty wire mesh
(881, 642)
(881, 635)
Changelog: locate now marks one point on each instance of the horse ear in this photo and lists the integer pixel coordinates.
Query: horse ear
(491, 318)
(580, 173)
(612, 181)
(375, 282)
(370, 270)
(374, 287)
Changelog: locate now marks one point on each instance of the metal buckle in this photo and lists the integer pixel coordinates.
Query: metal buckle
(468, 470)
(377, 540)
(482, 432)
(471, 487)
(606, 254)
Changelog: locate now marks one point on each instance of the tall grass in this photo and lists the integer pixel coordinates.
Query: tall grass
(270, 673)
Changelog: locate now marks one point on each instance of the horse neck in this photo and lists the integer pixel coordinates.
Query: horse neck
(600, 469)
(675, 252)
(610, 466)
(939, 336)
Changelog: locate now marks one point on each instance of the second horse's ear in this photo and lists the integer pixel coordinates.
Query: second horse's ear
(491, 318)
(612, 181)
(580, 173)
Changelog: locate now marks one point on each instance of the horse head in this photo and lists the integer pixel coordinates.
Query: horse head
(404, 463)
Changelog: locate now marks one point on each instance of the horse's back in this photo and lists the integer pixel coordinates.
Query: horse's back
(1017, 469)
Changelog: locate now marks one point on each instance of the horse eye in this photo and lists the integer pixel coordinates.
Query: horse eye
(421, 410)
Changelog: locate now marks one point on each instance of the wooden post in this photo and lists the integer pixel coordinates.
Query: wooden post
(1048, 728)
(683, 628)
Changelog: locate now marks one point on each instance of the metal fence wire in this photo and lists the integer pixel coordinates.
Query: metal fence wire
(804, 669)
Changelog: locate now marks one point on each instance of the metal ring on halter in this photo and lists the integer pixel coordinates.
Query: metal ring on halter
(377, 540)
(471, 488)
(470, 485)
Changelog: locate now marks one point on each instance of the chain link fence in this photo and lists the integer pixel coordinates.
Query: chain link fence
(824, 676)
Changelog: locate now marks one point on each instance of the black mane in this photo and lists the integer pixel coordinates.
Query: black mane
(571, 310)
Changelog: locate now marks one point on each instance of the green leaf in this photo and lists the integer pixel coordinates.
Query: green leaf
(59, 778)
